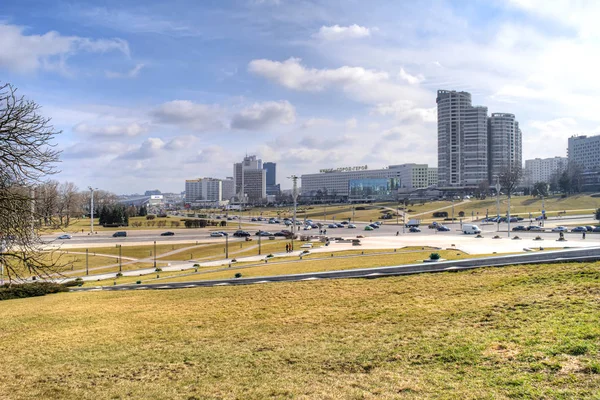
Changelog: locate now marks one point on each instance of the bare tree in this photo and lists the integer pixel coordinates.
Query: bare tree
(68, 197)
(27, 156)
(509, 179)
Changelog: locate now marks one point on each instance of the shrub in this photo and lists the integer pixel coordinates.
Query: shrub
(360, 208)
(440, 214)
(538, 238)
(138, 282)
(8, 292)
(434, 256)
(479, 236)
(516, 238)
(150, 216)
(270, 255)
(461, 214)
(233, 260)
(119, 274)
(158, 270)
(238, 275)
(496, 237)
(196, 265)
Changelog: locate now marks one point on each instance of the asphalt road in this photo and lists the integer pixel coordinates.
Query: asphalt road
(389, 228)
(588, 254)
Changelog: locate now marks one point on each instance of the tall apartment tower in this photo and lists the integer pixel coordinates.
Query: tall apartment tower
(204, 189)
(272, 186)
(462, 140)
(505, 149)
(250, 175)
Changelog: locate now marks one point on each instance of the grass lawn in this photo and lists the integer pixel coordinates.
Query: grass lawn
(516, 332)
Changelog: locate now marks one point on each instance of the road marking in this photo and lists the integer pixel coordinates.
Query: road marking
(141, 288)
(452, 268)
(261, 282)
(222, 284)
(312, 278)
(374, 274)
(163, 287)
(190, 286)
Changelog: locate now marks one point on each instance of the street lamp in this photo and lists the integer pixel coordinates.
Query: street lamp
(294, 178)
(155, 254)
(92, 208)
(121, 259)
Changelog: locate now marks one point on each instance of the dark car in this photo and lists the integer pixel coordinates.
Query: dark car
(534, 228)
(579, 229)
(443, 228)
(375, 226)
(596, 229)
(589, 228)
(253, 220)
(332, 226)
(264, 233)
(519, 228)
(340, 225)
(120, 234)
(167, 234)
(414, 229)
(241, 234)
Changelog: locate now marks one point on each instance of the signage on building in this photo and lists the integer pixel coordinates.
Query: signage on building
(344, 169)
(156, 197)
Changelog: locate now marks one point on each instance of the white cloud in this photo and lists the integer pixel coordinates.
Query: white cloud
(337, 32)
(405, 110)
(351, 123)
(411, 79)
(130, 130)
(132, 73)
(194, 116)
(27, 53)
(262, 115)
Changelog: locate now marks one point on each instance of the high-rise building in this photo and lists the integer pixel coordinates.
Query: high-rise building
(462, 140)
(250, 175)
(472, 147)
(203, 190)
(584, 151)
(228, 188)
(272, 186)
(504, 144)
(542, 170)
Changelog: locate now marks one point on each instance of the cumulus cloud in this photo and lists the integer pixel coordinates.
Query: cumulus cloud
(194, 116)
(90, 150)
(405, 110)
(148, 149)
(28, 53)
(411, 79)
(132, 73)
(261, 115)
(130, 130)
(337, 32)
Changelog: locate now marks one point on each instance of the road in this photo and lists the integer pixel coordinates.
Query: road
(587, 254)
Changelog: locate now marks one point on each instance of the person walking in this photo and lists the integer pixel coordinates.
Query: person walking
(287, 248)
(584, 235)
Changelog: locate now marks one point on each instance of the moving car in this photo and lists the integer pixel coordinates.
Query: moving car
(596, 229)
(253, 219)
(216, 234)
(469, 229)
(264, 233)
(119, 234)
(241, 234)
(369, 228)
(560, 229)
(535, 228)
(589, 228)
(167, 234)
(519, 228)
(443, 228)
(340, 225)
(351, 226)
(332, 226)
(414, 229)
(307, 228)
(374, 226)
(278, 234)
(579, 229)
(64, 237)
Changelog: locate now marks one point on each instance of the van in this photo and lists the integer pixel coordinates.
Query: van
(469, 229)
(120, 234)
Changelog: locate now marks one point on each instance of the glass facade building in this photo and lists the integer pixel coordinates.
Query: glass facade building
(372, 189)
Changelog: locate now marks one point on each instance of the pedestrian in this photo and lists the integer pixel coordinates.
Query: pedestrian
(286, 247)
(397, 233)
(325, 231)
(584, 235)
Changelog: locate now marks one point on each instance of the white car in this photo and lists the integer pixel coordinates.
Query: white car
(216, 234)
(306, 246)
(307, 228)
(560, 229)
(351, 226)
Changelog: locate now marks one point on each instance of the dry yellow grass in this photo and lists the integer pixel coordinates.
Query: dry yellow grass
(521, 332)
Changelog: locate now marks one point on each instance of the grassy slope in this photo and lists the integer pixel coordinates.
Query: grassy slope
(519, 332)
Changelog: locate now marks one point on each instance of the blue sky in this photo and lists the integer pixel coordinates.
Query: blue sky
(149, 94)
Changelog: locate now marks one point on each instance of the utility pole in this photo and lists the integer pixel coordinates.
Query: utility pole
(259, 249)
(87, 269)
(154, 254)
(543, 212)
(227, 245)
(294, 178)
(120, 258)
(91, 209)
(498, 201)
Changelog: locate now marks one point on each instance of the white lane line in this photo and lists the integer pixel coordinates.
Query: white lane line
(261, 282)
(312, 278)
(163, 287)
(188, 286)
(222, 284)
(141, 288)
(374, 274)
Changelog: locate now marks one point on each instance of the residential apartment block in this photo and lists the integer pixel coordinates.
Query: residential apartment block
(203, 190)
(541, 170)
(584, 151)
(250, 175)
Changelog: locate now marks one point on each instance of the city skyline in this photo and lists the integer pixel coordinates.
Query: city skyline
(149, 95)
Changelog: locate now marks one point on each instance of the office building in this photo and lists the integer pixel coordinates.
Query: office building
(542, 170)
(472, 147)
(415, 176)
(462, 140)
(228, 188)
(504, 144)
(250, 175)
(584, 151)
(203, 190)
(372, 189)
(272, 187)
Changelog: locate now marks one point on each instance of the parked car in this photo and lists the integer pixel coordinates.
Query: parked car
(414, 229)
(351, 226)
(119, 234)
(241, 234)
(560, 229)
(541, 217)
(216, 234)
(519, 228)
(534, 228)
(443, 228)
(579, 229)
(64, 237)
(315, 226)
(344, 222)
(306, 246)
(167, 234)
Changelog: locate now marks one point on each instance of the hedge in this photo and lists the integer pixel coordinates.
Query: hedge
(20, 291)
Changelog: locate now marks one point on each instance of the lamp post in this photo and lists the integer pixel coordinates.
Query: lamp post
(120, 258)
(155, 254)
(259, 249)
(227, 245)
(92, 208)
(294, 178)
(87, 270)
(498, 201)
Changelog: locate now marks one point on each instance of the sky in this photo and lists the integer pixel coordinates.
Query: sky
(150, 93)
